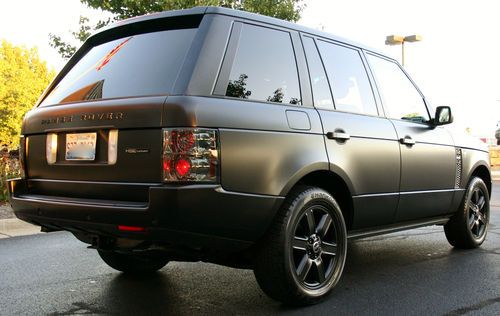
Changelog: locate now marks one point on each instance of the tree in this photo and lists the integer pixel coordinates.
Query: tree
(121, 9)
(23, 77)
(238, 88)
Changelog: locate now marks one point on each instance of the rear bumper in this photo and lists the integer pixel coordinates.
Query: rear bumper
(204, 216)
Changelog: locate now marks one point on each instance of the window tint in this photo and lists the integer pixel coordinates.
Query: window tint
(349, 82)
(264, 67)
(400, 97)
(144, 64)
(319, 82)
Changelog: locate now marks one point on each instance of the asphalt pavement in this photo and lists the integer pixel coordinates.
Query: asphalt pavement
(412, 273)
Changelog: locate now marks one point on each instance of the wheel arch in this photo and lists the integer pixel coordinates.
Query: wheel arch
(334, 184)
(482, 172)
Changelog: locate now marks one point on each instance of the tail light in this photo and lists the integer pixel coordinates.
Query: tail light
(190, 154)
(23, 155)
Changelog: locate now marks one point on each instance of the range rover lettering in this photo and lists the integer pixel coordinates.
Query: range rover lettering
(228, 137)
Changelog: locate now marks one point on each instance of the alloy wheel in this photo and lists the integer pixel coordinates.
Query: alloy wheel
(314, 247)
(477, 213)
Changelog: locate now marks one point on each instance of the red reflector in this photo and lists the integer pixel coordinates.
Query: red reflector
(182, 167)
(125, 228)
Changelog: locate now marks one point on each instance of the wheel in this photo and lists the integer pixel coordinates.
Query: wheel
(468, 227)
(303, 255)
(498, 141)
(132, 263)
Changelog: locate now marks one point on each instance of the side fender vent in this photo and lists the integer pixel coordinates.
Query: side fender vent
(458, 174)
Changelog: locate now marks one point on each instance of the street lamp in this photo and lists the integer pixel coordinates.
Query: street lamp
(400, 40)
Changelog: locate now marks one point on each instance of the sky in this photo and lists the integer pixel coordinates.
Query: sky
(457, 62)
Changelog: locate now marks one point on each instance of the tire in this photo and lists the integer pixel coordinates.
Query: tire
(468, 227)
(132, 263)
(302, 257)
(498, 141)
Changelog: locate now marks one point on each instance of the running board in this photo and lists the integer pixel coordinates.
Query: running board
(362, 233)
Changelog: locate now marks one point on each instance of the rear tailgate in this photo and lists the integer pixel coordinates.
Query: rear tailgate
(100, 122)
(136, 122)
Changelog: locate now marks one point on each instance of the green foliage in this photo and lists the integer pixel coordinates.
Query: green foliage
(282, 9)
(121, 9)
(64, 49)
(9, 169)
(23, 77)
(238, 88)
(67, 50)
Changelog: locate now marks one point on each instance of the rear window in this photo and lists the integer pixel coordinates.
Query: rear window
(138, 65)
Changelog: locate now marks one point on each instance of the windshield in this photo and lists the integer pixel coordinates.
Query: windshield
(138, 65)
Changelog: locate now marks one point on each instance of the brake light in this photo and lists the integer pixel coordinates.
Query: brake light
(182, 166)
(190, 154)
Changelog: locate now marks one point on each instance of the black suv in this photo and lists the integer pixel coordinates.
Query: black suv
(224, 136)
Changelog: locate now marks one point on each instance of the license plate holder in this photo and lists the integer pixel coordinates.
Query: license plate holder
(81, 146)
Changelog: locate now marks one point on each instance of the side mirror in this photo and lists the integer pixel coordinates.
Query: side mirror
(443, 116)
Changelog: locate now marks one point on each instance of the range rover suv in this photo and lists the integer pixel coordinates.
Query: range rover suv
(223, 136)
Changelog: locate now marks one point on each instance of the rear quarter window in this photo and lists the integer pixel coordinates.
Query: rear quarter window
(264, 67)
(138, 65)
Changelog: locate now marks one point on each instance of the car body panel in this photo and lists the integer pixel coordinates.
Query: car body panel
(266, 150)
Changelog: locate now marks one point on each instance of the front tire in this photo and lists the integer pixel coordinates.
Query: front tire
(468, 227)
(132, 263)
(302, 258)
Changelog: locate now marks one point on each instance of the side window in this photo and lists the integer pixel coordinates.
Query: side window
(401, 99)
(349, 81)
(320, 88)
(264, 67)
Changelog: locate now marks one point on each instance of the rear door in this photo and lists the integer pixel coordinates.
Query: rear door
(428, 156)
(270, 134)
(362, 146)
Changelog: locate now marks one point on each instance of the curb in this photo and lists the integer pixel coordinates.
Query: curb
(13, 227)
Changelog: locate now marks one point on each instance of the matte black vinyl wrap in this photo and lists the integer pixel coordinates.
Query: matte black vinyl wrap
(129, 167)
(370, 158)
(472, 160)
(143, 112)
(260, 152)
(268, 162)
(430, 163)
(265, 148)
(420, 205)
(206, 210)
(204, 60)
(373, 211)
(232, 113)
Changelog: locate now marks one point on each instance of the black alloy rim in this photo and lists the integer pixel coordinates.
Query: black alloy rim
(314, 247)
(477, 217)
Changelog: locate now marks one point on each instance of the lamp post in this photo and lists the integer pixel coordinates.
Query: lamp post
(400, 40)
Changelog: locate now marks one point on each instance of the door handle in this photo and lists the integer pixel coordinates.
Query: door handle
(407, 140)
(338, 136)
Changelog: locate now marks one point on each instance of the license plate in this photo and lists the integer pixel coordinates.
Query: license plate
(80, 146)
